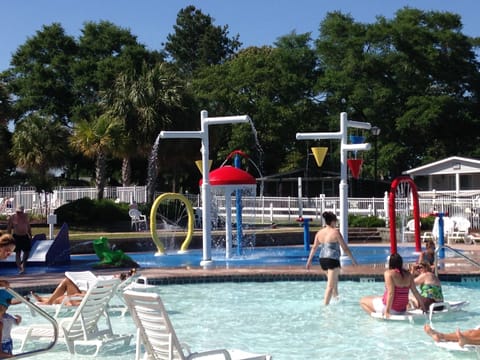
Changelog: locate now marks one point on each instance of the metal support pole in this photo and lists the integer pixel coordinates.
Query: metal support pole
(238, 203)
(206, 196)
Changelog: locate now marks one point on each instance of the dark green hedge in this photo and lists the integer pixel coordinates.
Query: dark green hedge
(94, 214)
(365, 221)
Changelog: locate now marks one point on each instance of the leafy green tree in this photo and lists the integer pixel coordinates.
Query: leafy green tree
(197, 42)
(40, 78)
(105, 51)
(415, 76)
(274, 86)
(7, 167)
(5, 105)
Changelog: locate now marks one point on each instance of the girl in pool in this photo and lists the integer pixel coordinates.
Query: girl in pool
(398, 283)
(428, 255)
(429, 284)
(330, 240)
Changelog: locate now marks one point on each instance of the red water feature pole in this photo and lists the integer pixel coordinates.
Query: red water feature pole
(392, 214)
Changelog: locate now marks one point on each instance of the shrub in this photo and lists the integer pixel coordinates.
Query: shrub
(94, 214)
(365, 221)
(427, 222)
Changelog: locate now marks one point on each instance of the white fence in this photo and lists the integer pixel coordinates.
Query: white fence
(257, 209)
(264, 210)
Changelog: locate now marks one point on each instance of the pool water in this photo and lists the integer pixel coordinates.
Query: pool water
(253, 256)
(289, 321)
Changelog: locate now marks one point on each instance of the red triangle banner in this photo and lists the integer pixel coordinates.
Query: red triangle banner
(355, 166)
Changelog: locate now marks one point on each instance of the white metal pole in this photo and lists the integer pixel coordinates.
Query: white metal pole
(343, 186)
(206, 198)
(300, 197)
(228, 223)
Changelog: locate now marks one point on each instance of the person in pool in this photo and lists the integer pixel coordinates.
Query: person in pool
(428, 255)
(466, 337)
(330, 240)
(398, 283)
(429, 284)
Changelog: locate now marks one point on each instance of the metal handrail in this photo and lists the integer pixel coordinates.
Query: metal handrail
(437, 250)
(35, 308)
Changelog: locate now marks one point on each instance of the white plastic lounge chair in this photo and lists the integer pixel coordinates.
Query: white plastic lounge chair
(85, 279)
(84, 327)
(157, 335)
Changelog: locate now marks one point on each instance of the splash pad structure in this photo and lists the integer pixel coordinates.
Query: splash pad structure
(228, 180)
(342, 135)
(203, 135)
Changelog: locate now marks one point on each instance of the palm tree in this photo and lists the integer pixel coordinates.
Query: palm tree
(98, 140)
(38, 145)
(118, 104)
(143, 103)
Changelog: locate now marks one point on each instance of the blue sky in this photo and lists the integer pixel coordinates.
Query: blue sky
(258, 22)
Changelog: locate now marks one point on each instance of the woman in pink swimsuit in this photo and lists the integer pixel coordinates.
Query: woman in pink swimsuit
(398, 283)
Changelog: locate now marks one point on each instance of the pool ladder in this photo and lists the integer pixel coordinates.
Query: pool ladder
(443, 247)
(35, 308)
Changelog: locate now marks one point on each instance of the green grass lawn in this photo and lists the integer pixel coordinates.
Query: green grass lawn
(83, 235)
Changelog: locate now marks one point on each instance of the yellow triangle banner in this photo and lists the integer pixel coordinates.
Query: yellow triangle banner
(319, 154)
(199, 164)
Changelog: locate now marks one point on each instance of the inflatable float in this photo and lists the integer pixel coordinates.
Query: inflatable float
(435, 308)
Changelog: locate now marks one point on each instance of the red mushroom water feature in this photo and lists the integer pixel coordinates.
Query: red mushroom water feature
(229, 175)
(229, 179)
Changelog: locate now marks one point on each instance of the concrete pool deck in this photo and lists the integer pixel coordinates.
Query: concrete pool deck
(451, 269)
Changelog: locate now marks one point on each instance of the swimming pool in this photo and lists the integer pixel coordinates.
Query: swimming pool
(253, 256)
(289, 321)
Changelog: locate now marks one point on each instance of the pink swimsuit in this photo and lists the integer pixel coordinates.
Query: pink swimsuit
(400, 298)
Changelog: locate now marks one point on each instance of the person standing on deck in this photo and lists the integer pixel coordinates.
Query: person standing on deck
(19, 226)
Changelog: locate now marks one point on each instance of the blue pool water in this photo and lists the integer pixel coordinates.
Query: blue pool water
(260, 256)
(288, 320)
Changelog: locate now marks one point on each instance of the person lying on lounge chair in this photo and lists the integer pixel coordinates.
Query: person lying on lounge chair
(67, 288)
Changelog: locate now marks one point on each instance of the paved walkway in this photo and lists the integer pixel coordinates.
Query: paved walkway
(450, 269)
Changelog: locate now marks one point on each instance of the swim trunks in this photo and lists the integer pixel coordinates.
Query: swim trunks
(22, 243)
(328, 263)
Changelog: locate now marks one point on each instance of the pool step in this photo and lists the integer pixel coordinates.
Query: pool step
(364, 235)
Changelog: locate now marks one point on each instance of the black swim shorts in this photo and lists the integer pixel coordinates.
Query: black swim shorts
(22, 242)
(328, 263)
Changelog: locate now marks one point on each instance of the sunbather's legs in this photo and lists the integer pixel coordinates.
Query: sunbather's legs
(438, 336)
(471, 337)
(466, 337)
(66, 287)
